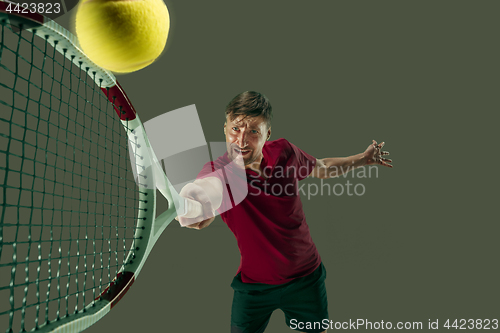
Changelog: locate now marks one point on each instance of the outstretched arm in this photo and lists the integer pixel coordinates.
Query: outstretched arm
(336, 166)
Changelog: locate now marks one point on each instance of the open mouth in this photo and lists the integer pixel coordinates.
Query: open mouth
(243, 152)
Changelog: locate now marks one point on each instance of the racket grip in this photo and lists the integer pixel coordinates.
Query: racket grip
(193, 208)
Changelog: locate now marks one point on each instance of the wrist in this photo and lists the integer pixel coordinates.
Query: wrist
(360, 160)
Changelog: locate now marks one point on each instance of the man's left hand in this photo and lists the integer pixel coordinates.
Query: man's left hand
(373, 155)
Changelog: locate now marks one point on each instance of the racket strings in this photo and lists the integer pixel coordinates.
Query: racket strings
(69, 204)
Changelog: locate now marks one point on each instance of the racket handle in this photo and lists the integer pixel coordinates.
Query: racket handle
(193, 208)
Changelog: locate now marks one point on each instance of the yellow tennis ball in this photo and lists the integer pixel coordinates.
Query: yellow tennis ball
(122, 36)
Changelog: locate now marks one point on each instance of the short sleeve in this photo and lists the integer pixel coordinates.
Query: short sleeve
(302, 162)
(208, 170)
(233, 180)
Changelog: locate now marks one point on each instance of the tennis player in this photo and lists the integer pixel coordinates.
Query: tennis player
(280, 267)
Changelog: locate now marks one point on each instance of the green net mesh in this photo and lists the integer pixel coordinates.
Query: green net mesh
(68, 200)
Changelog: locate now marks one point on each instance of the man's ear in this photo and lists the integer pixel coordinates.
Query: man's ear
(268, 133)
(225, 128)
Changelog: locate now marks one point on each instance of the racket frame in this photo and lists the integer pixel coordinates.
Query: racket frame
(148, 228)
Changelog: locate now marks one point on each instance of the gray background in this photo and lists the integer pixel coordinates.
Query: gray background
(422, 242)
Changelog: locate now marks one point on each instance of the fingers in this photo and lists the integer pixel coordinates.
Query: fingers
(200, 225)
(206, 223)
(378, 153)
(379, 145)
(385, 162)
(191, 224)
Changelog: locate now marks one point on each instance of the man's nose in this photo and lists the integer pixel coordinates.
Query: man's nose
(242, 139)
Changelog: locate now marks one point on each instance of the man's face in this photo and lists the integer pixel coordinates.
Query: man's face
(246, 136)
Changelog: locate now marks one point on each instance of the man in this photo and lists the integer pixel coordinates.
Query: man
(280, 266)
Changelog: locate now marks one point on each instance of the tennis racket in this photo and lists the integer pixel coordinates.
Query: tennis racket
(78, 182)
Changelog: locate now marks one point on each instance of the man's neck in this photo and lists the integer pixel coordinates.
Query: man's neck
(256, 166)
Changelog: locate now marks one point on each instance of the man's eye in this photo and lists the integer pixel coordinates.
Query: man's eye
(255, 131)
(235, 128)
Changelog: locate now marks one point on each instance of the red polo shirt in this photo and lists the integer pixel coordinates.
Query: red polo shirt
(269, 224)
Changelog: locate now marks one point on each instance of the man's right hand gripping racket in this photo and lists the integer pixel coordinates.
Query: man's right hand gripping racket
(78, 215)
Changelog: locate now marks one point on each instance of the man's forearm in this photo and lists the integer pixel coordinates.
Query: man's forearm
(336, 166)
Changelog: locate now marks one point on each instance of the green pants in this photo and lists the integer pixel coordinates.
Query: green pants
(303, 301)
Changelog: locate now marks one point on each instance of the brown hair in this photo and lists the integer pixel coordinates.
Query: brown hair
(250, 104)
